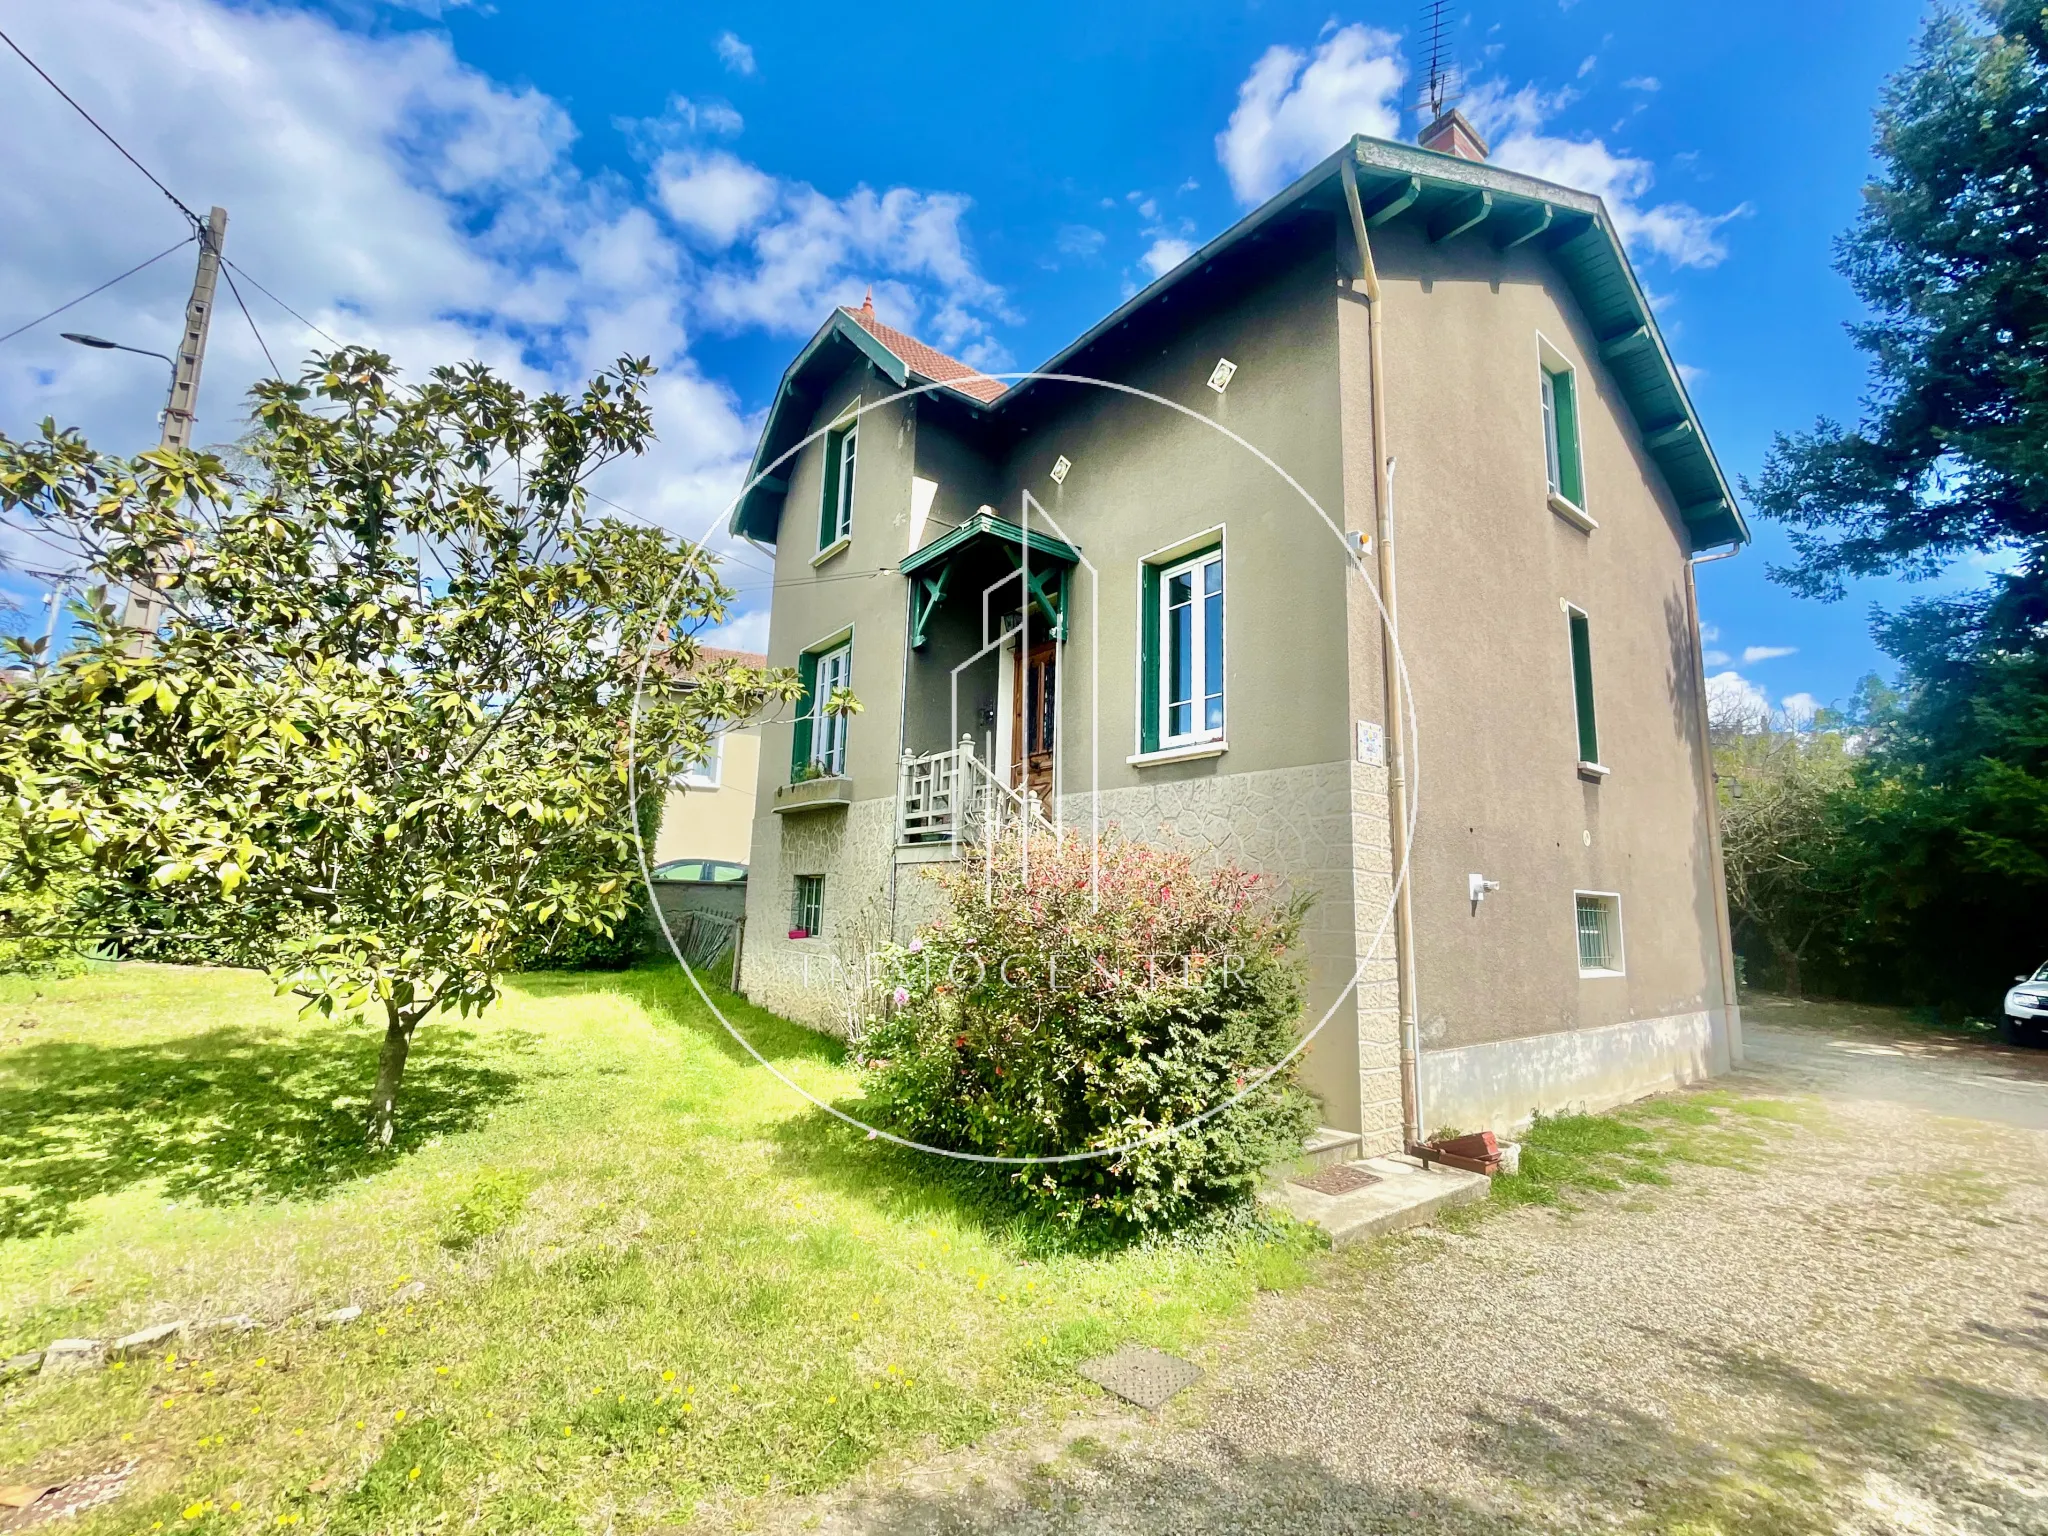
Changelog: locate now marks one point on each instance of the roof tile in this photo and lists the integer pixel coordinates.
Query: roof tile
(928, 361)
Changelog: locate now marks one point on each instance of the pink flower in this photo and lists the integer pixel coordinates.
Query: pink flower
(901, 996)
(916, 945)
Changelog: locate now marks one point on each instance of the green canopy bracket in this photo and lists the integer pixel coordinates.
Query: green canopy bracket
(925, 602)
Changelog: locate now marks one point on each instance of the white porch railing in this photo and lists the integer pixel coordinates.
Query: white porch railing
(956, 797)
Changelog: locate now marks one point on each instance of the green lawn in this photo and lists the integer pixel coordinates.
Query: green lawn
(656, 1285)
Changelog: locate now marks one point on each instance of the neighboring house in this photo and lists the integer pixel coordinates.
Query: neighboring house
(1204, 665)
(712, 815)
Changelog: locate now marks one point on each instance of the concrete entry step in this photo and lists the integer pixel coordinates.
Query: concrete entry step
(1327, 1148)
(1403, 1193)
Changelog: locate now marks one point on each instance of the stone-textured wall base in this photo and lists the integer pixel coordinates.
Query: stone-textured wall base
(1501, 1085)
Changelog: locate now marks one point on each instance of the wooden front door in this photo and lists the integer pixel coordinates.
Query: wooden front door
(1033, 719)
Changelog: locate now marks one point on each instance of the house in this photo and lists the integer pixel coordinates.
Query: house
(711, 814)
(1072, 602)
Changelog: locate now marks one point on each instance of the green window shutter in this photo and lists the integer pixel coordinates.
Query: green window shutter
(828, 503)
(1148, 668)
(800, 737)
(1565, 387)
(1582, 688)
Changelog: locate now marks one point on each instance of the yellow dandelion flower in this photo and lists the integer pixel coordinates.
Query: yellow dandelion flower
(856, 1317)
(263, 1360)
(567, 1432)
(413, 1476)
(668, 1375)
(981, 1282)
(660, 1429)
(171, 1359)
(398, 1416)
(361, 1425)
(380, 1328)
(120, 1365)
(765, 1479)
(622, 1397)
(689, 1407)
(193, 1511)
(235, 1508)
(1043, 1339)
(168, 1401)
(440, 1370)
(833, 1398)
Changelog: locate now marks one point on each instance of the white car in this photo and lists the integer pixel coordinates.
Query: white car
(2026, 1007)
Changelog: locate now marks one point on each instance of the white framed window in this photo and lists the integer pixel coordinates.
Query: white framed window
(828, 731)
(1190, 650)
(1563, 457)
(705, 772)
(807, 907)
(1598, 920)
(835, 511)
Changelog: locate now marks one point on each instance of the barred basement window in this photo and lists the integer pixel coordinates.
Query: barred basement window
(1599, 922)
(807, 911)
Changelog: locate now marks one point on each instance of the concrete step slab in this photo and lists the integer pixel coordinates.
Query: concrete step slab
(1404, 1193)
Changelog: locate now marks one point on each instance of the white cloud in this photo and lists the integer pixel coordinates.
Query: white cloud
(734, 54)
(715, 196)
(1166, 253)
(1588, 64)
(1080, 240)
(1717, 658)
(1800, 708)
(1756, 653)
(1294, 109)
(1734, 699)
(1678, 232)
(399, 198)
(1649, 84)
(747, 632)
(1709, 631)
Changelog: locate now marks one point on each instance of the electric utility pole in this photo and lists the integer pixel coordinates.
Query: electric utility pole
(145, 608)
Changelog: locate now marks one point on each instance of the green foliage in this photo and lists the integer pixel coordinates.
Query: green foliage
(387, 717)
(1084, 1009)
(492, 1203)
(1926, 867)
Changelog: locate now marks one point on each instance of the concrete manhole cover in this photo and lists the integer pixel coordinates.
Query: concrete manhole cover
(1146, 1377)
(1340, 1180)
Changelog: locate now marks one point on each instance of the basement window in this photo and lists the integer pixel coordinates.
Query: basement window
(1599, 923)
(807, 907)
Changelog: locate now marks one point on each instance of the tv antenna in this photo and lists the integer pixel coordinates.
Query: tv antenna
(1439, 82)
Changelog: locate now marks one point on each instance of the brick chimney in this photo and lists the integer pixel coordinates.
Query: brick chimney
(1451, 134)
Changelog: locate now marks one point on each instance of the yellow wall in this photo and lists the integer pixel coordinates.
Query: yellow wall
(715, 823)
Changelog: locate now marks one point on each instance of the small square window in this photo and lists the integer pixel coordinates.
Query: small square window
(807, 908)
(704, 772)
(1599, 925)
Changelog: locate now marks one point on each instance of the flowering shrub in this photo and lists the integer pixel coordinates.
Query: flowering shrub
(1039, 1018)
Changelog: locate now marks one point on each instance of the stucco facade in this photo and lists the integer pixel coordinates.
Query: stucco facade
(1268, 476)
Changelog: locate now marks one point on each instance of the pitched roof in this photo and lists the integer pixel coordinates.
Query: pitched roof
(1447, 198)
(928, 362)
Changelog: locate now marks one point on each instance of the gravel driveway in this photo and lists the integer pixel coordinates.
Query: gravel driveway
(1853, 1337)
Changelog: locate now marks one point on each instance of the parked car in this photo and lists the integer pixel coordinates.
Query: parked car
(2026, 1008)
(700, 872)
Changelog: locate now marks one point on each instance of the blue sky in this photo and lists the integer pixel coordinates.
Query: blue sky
(546, 185)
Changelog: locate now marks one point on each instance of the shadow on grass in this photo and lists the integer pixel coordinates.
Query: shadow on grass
(231, 1116)
(1795, 1454)
(665, 992)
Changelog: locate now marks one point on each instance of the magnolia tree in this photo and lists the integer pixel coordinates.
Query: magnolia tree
(389, 714)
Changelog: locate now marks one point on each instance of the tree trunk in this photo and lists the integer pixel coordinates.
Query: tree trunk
(390, 1068)
(1788, 967)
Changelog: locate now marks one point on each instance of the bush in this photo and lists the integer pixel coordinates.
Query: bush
(1036, 1019)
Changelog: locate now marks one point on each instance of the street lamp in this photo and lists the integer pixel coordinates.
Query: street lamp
(102, 344)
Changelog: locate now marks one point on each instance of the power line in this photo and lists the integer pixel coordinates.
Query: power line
(197, 222)
(252, 327)
(280, 303)
(39, 319)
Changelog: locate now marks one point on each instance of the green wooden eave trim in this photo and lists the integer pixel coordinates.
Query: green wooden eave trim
(981, 525)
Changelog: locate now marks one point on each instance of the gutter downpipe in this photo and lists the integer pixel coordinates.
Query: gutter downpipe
(1397, 742)
(1731, 1009)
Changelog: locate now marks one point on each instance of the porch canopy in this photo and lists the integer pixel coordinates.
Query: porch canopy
(1045, 561)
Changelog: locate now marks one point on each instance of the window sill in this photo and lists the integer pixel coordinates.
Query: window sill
(835, 548)
(1190, 752)
(1572, 513)
(1593, 772)
(1586, 975)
